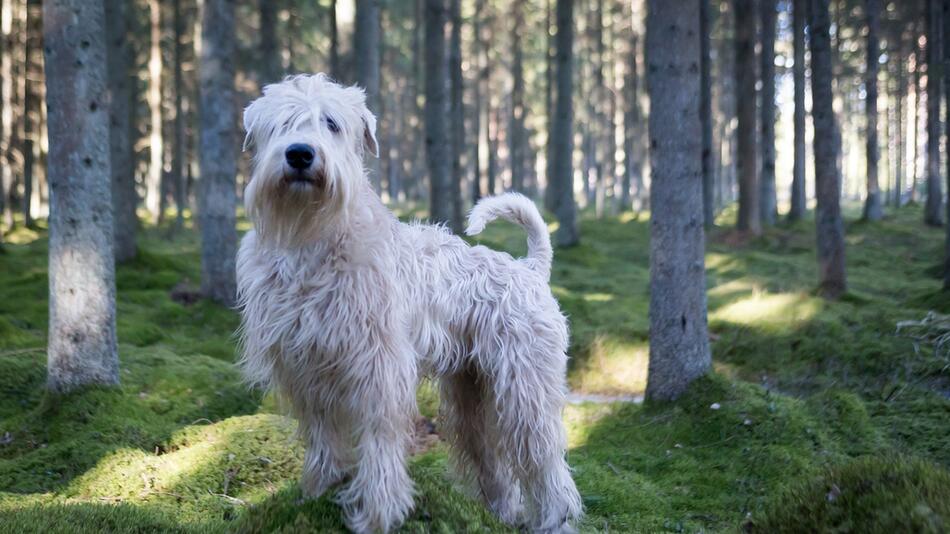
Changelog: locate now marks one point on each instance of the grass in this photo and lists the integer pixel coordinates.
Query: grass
(820, 415)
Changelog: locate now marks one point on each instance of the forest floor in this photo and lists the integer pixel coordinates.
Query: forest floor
(819, 416)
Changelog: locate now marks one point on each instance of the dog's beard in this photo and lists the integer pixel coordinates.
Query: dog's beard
(290, 207)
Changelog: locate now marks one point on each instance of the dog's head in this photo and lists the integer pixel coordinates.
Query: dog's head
(309, 135)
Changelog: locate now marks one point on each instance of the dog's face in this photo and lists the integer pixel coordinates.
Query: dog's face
(309, 136)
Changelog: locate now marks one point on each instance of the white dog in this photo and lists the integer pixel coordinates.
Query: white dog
(345, 309)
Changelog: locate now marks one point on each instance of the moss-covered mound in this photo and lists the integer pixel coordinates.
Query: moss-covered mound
(868, 494)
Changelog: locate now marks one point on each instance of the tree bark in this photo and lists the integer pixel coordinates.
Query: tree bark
(6, 113)
(217, 199)
(517, 139)
(767, 196)
(269, 61)
(457, 112)
(366, 46)
(934, 202)
(829, 227)
(872, 204)
(705, 114)
(178, 148)
(82, 339)
(562, 136)
(31, 103)
(436, 110)
(334, 42)
(679, 340)
(900, 99)
(154, 200)
(632, 176)
(749, 213)
(478, 48)
(798, 198)
(946, 75)
(121, 152)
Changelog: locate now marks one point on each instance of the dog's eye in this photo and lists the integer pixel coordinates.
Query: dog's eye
(332, 125)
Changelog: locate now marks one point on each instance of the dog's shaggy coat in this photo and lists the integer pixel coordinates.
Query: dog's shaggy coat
(344, 309)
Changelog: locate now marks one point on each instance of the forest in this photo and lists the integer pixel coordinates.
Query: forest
(747, 202)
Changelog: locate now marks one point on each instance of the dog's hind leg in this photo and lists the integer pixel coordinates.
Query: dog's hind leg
(468, 424)
(529, 393)
(322, 466)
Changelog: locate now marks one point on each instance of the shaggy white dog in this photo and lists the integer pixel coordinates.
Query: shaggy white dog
(345, 308)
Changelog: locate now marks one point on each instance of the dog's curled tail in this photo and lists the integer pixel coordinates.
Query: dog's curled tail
(520, 210)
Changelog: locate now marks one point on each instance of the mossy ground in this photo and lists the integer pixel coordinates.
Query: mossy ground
(810, 399)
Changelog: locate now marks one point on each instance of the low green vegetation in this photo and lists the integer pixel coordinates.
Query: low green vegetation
(819, 417)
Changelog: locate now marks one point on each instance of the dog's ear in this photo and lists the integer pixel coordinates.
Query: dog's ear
(251, 115)
(369, 132)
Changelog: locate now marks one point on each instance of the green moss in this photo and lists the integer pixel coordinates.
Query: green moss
(868, 494)
(802, 386)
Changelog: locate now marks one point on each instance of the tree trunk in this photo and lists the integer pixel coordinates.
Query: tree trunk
(216, 197)
(828, 224)
(705, 114)
(767, 197)
(918, 92)
(548, 100)
(749, 215)
(178, 150)
(269, 61)
(334, 42)
(121, 152)
(437, 147)
(799, 200)
(366, 45)
(457, 112)
(934, 201)
(872, 204)
(946, 75)
(6, 114)
(477, 123)
(517, 140)
(31, 103)
(679, 340)
(632, 176)
(562, 135)
(901, 138)
(153, 181)
(82, 340)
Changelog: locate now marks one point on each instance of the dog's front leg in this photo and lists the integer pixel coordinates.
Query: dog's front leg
(379, 496)
(322, 465)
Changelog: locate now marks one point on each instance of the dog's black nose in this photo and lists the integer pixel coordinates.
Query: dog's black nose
(299, 156)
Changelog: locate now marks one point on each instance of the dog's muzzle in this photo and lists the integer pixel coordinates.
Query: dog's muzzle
(302, 165)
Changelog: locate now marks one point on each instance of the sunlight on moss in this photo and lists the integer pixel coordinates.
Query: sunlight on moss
(763, 308)
(612, 367)
(598, 297)
(22, 235)
(581, 419)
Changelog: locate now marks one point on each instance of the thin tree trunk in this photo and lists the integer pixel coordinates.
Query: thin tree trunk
(457, 112)
(82, 339)
(269, 62)
(946, 75)
(828, 224)
(705, 114)
(548, 101)
(366, 46)
(749, 215)
(767, 196)
(901, 138)
(437, 150)
(799, 201)
(918, 94)
(679, 339)
(632, 176)
(153, 182)
(872, 204)
(334, 42)
(178, 150)
(31, 103)
(934, 201)
(6, 114)
(121, 152)
(216, 197)
(562, 135)
(477, 122)
(516, 132)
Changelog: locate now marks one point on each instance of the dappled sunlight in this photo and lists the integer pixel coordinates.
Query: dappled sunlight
(612, 367)
(581, 419)
(763, 308)
(598, 297)
(21, 235)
